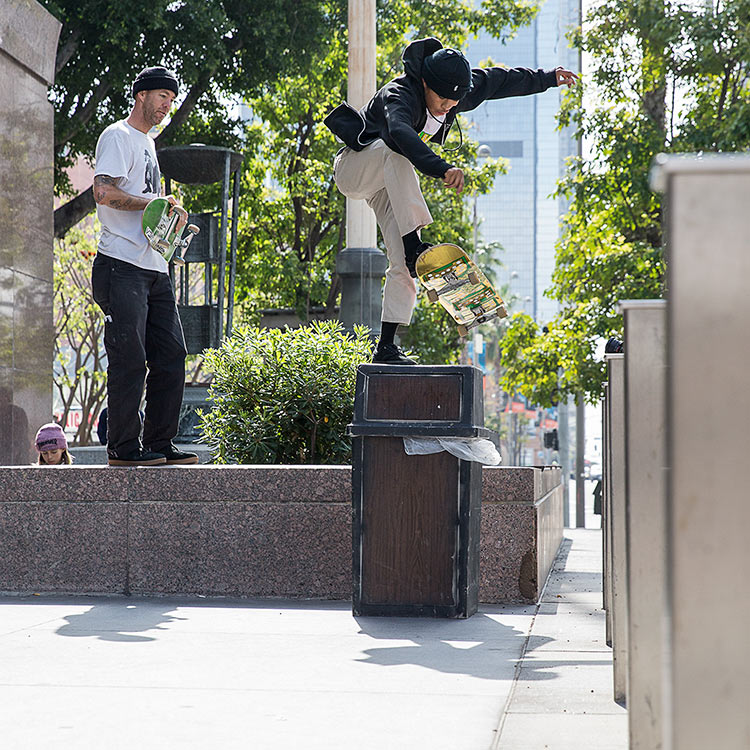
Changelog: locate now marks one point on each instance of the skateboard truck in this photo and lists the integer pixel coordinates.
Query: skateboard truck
(160, 228)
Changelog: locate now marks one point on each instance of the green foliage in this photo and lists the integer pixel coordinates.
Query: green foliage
(79, 374)
(284, 396)
(292, 222)
(666, 76)
(220, 49)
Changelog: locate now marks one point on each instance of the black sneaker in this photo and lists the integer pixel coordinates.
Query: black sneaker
(411, 255)
(390, 354)
(138, 457)
(174, 456)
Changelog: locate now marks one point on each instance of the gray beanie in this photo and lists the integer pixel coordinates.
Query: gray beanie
(448, 73)
(155, 78)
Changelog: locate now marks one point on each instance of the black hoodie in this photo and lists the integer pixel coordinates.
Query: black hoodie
(398, 112)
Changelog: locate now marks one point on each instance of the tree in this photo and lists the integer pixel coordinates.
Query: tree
(220, 49)
(79, 368)
(666, 76)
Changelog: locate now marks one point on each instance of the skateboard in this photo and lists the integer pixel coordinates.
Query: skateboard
(453, 279)
(159, 226)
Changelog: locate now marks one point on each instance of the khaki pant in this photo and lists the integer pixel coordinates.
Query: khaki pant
(389, 184)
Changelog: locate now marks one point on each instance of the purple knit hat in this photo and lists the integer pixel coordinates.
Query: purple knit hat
(50, 437)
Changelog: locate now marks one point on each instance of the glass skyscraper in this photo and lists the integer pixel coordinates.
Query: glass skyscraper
(520, 212)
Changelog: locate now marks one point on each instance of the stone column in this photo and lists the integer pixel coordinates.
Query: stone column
(708, 398)
(617, 550)
(645, 501)
(361, 265)
(28, 44)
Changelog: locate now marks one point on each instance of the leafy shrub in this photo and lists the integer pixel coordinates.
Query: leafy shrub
(284, 396)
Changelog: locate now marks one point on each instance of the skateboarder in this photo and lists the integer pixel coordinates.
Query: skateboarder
(130, 282)
(387, 140)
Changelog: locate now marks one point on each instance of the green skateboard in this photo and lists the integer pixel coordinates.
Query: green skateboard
(453, 279)
(160, 228)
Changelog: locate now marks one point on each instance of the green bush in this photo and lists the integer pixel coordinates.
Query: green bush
(284, 396)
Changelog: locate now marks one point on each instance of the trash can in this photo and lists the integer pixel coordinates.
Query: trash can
(415, 526)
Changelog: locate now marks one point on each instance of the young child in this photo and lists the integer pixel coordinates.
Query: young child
(52, 446)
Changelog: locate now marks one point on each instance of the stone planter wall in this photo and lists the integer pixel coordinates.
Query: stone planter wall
(265, 531)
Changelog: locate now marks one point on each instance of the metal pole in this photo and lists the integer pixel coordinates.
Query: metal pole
(580, 451)
(563, 435)
(233, 251)
(361, 266)
(475, 223)
(223, 248)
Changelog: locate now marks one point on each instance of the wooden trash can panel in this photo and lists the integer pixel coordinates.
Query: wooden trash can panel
(433, 398)
(409, 538)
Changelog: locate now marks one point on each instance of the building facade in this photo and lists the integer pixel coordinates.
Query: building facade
(521, 213)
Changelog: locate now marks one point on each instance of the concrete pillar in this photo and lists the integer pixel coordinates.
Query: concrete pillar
(580, 462)
(606, 516)
(361, 265)
(645, 460)
(708, 399)
(618, 604)
(563, 431)
(28, 44)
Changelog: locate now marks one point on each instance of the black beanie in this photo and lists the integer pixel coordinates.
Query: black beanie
(154, 78)
(448, 73)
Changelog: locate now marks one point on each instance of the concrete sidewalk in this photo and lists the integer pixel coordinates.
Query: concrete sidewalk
(117, 673)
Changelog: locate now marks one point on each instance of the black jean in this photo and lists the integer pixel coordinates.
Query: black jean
(144, 343)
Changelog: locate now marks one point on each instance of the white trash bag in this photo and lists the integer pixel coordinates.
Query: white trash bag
(469, 449)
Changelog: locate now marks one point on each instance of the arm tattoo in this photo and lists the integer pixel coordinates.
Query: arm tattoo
(122, 202)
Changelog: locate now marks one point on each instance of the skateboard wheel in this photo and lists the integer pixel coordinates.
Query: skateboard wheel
(178, 260)
(502, 312)
(462, 330)
(432, 295)
(193, 228)
(162, 245)
(473, 278)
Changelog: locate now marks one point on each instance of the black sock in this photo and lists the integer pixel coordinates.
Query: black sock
(411, 242)
(387, 333)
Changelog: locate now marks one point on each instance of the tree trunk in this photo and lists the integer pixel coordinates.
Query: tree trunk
(70, 213)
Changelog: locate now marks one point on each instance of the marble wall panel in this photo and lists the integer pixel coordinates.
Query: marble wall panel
(33, 326)
(26, 198)
(28, 43)
(266, 549)
(28, 34)
(63, 547)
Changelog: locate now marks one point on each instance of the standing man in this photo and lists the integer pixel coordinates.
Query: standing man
(387, 140)
(130, 282)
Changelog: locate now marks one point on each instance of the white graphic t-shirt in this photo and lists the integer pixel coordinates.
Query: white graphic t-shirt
(430, 127)
(123, 151)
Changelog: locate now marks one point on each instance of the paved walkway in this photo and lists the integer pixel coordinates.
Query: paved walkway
(119, 673)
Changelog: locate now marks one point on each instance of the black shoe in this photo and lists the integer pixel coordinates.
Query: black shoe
(174, 456)
(138, 457)
(411, 255)
(390, 354)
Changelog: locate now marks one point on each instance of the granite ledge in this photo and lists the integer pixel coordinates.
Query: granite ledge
(518, 484)
(201, 483)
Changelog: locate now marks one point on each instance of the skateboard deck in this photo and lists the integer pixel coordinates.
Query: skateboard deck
(452, 278)
(160, 228)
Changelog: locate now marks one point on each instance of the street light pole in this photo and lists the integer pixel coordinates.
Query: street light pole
(361, 265)
(483, 152)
